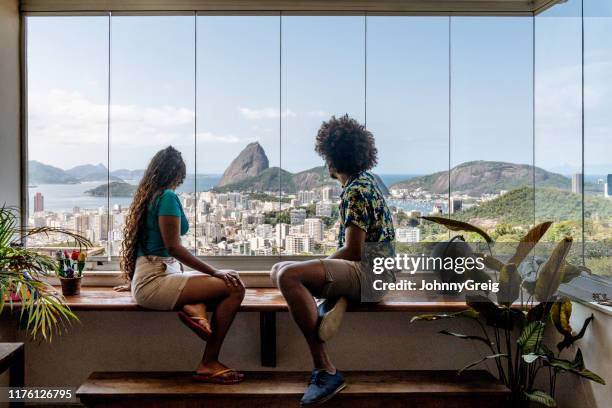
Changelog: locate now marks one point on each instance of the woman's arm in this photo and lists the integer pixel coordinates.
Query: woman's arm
(170, 227)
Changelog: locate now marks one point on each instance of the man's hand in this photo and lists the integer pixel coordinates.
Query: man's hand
(231, 278)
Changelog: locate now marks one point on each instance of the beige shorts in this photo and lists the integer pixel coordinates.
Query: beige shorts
(158, 282)
(342, 278)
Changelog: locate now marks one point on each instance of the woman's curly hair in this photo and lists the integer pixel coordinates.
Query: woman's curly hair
(346, 145)
(166, 170)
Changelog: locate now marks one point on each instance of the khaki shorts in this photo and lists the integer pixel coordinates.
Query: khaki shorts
(342, 278)
(158, 282)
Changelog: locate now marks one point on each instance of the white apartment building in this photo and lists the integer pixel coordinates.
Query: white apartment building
(409, 234)
(313, 227)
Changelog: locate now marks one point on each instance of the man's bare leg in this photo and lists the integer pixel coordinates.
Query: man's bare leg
(299, 282)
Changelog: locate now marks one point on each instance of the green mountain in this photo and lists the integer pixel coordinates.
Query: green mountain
(479, 177)
(551, 204)
(39, 173)
(249, 172)
(268, 180)
(117, 189)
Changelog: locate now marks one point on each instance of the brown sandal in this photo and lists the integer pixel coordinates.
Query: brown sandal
(219, 377)
(190, 321)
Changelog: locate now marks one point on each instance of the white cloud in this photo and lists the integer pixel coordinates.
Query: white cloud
(265, 113)
(211, 137)
(60, 117)
(317, 114)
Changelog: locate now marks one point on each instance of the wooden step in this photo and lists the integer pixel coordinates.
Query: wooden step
(423, 389)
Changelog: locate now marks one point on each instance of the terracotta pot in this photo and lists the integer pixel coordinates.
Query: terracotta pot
(71, 286)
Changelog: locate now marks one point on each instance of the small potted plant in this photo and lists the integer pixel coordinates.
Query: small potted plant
(70, 270)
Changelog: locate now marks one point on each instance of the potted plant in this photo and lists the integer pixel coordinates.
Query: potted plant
(22, 273)
(70, 270)
(514, 340)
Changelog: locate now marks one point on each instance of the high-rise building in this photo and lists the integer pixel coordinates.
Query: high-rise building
(323, 209)
(263, 231)
(577, 183)
(39, 202)
(306, 197)
(408, 234)
(297, 244)
(313, 227)
(280, 232)
(455, 204)
(608, 186)
(297, 216)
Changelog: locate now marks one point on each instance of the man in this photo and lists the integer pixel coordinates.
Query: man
(366, 231)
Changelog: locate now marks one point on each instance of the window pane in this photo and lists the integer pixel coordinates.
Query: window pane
(238, 134)
(597, 135)
(408, 114)
(152, 96)
(67, 127)
(491, 120)
(322, 75)
(558, 138)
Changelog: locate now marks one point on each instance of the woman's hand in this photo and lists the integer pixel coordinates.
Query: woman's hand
(230, 277)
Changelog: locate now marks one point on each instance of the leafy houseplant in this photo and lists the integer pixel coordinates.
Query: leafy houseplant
(516, 345)
(21, 277)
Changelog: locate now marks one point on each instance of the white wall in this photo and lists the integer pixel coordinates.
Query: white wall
(596, 347)
(146, 341)
(9, 103)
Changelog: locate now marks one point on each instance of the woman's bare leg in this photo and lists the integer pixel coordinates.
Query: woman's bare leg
(207, 289)
(198, 310)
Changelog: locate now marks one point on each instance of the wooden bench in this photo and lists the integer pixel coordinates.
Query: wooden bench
(423, 389)
(12, 358)
(265, 301)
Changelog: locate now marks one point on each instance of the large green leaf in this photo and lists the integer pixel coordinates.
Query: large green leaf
(550, 276)
(568, 366)
(467, 337)
(527, 243)
(491, 262)
(475, 363)
(541, 398)
(455, 225)
(493, 314)
(569, 271)
(509, 285)
(469, 313)
(539, 311)
(531, 336)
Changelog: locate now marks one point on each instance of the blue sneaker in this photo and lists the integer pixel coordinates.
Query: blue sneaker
(322, 387)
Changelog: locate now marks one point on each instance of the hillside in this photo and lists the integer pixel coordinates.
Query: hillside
(40, 173)
(253, 160)
(517, 207)
(267, 180)
(117, 189)
(479, 177)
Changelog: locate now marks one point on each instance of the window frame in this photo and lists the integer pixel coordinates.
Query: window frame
(107, 263)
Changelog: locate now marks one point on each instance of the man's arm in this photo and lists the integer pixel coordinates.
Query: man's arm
(353, 244)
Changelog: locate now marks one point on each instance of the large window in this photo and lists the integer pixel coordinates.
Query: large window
(598, 136)
(478, 118)
(67, 127)
(323, 71)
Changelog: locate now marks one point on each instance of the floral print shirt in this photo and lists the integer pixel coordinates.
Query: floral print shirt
(363, 204)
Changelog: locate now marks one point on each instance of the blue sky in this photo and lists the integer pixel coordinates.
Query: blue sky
(239, 63)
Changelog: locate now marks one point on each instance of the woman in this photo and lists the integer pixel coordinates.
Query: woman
(152, 255)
